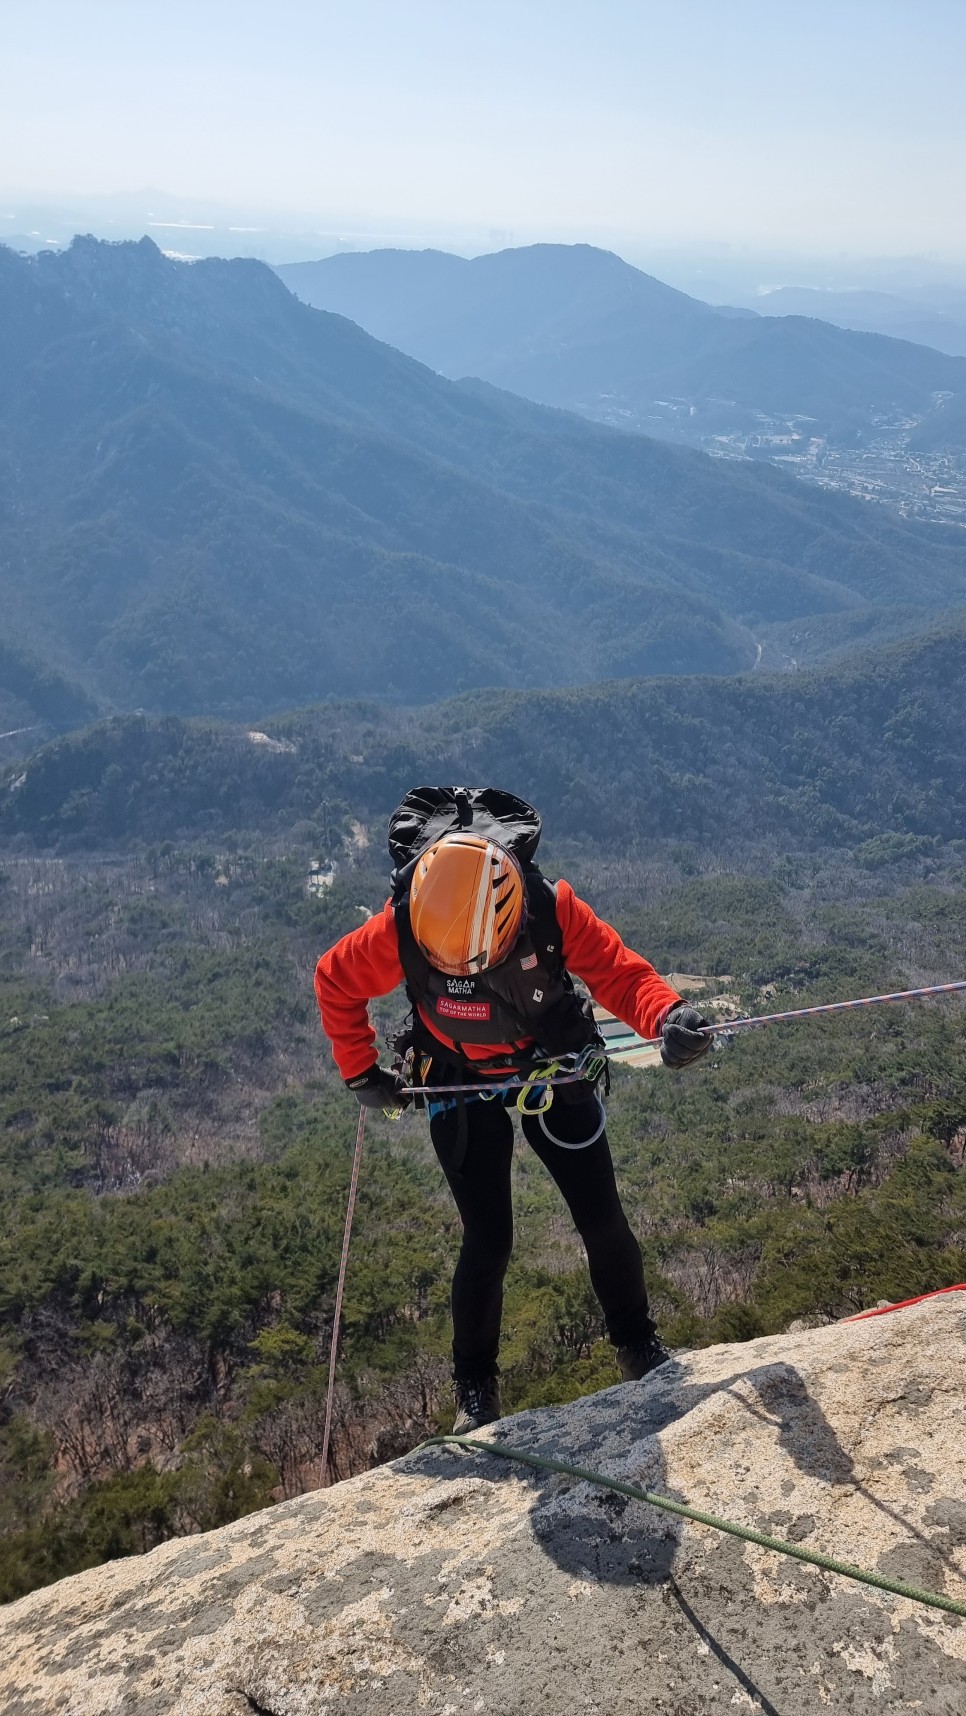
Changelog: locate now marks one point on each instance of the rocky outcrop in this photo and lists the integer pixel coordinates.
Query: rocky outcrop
(453, 1583)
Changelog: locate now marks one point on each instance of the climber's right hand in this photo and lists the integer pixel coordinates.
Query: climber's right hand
(378, 1088)
(686, 1035)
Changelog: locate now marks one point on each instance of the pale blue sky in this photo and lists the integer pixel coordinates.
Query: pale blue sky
(834, 126)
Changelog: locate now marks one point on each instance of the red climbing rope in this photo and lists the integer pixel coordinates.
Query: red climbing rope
(883, 1310)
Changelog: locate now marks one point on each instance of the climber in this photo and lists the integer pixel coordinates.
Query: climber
(485, 946)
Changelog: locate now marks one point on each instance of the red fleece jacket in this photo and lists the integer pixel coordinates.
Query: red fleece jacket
(365, 963)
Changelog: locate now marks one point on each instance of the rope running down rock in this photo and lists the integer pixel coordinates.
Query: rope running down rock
(337, 1317)
(828, 1563)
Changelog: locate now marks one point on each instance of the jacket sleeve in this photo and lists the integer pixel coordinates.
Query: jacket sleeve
(619, 979)
(365, 963)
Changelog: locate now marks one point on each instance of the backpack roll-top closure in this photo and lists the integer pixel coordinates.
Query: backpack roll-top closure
(427, 813)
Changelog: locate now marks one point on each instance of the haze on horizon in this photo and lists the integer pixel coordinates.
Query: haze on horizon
(827, 129)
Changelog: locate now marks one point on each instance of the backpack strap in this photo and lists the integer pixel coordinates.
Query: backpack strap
(416, 967)
(545, 932)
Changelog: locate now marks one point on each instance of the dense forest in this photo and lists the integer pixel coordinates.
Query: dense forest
(867, 755)
(174, 1154)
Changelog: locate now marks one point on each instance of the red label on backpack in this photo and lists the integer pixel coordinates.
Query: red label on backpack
(450, 1009)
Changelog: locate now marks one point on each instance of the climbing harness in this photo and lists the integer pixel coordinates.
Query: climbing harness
(585, 1066)
(337, 1317)
(828, 1563)
(561, 1071)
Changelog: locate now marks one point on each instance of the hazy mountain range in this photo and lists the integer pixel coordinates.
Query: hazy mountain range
(573, 326)
(875, 313)
(215, 498)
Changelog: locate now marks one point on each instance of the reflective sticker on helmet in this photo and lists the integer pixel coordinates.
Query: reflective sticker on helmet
(480, 938)
(538, 994)
(450, 1009)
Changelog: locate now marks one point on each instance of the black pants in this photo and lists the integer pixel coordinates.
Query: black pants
(481, 1188)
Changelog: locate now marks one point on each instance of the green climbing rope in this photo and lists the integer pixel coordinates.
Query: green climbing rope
(504, 1452)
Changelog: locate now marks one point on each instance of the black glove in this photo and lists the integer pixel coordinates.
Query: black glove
(683, 1041)
(378, 1088)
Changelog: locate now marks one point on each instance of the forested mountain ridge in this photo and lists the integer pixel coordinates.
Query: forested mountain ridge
(216, 499)
(866, 752)
(575, 326)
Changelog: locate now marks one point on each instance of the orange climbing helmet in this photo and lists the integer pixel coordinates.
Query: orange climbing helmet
(466, 901)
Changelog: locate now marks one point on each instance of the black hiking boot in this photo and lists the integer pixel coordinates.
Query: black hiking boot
(477, 1403)
(641, 1357)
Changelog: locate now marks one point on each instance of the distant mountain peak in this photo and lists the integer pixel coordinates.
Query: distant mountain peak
(577, 327)
(226, 501)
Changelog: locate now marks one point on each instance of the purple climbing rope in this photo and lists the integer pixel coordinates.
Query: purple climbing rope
(728, 1025)
(617, 1046)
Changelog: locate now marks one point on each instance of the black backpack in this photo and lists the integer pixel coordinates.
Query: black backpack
(424, 816)
(429, 812)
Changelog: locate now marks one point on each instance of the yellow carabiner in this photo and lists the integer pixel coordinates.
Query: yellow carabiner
(539, 1080)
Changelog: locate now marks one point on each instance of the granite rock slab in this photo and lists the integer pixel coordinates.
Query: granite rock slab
(456, 1584)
